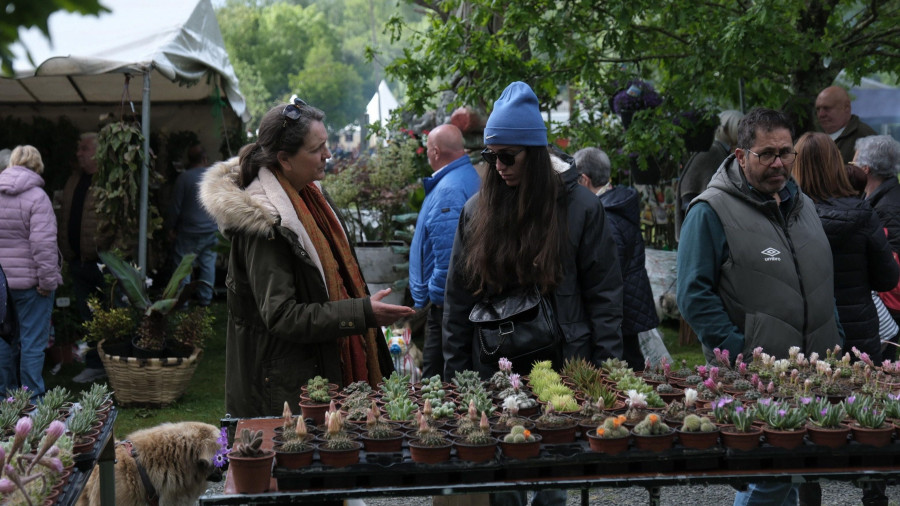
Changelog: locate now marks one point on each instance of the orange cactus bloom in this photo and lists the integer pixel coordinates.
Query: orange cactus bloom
(621, 418)
(526, 433)
(600, 431)
(618, 422)
(653, 418)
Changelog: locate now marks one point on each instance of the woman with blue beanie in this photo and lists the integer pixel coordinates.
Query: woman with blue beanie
(532, 224)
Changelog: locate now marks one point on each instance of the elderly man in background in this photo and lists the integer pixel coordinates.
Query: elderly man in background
(80, 240)
(446, 192)
(836, 120)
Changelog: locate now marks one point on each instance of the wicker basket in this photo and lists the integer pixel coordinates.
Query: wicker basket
(153, 382)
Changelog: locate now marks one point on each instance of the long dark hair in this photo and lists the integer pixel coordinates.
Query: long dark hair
(276, 133)
(514, 236)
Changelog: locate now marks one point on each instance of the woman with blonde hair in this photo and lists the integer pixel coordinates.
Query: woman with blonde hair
(862, 258)
(30, 259)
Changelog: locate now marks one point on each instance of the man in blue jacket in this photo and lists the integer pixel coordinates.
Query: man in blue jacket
(446, 191)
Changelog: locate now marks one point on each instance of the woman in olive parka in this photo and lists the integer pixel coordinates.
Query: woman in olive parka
(297, 303)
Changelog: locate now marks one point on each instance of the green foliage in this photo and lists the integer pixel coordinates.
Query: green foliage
(115, 324)
(382, 183)
(81, 421)
(696, 54)
(116, 186)
(786, 417)
(194, 327)
(30, 14)
(823, 413)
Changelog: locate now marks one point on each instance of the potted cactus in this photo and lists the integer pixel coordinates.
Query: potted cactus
(610, 437)
(429, 446)
(477, 445)
(521, 443)
(340, 449)
(555, 427)
(249, 464)
(698, 432)
(653, 434)
(380, 435)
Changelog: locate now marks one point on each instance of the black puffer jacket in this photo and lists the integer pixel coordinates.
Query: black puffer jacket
(623, 213)
(862, 262)
(886, 202)
(588, 300)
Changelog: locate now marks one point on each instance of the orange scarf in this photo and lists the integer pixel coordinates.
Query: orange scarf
(342, 276)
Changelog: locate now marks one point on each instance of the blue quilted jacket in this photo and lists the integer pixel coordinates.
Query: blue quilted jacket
(429, 256)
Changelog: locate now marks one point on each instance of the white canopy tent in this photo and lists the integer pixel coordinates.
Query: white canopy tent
(382, 105)
(170, 50)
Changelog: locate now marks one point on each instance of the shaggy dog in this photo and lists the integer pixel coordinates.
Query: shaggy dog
(178, 458)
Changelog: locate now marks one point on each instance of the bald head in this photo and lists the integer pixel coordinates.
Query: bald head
(833, 109)
(445, 144)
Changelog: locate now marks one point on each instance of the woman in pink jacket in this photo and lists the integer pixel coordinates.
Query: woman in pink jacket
(30, 259)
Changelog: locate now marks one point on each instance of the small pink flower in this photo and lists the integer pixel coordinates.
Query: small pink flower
(23, 426)
(55, 430)
(504, 364)
(54, 464)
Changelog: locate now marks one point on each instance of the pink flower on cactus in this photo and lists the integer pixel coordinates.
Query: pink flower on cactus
(55, 430)
(54, 464)
(515, 381)
(701, 371)
(7, 486)
(742, 367)
(504, 364)
(770, 388)
(710, 384)
(757, 352)
(23, 426)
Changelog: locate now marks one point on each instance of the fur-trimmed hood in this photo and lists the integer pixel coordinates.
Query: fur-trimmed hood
(257, 209)
(235, 209)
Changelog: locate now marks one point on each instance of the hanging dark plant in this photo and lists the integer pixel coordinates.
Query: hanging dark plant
(116, 184)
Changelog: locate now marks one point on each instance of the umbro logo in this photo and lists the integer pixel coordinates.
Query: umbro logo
(771, 255)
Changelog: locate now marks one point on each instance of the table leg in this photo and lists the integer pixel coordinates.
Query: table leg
(107, 463)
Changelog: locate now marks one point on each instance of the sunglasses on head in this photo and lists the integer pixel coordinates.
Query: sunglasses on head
(292, 110)
(506, 158)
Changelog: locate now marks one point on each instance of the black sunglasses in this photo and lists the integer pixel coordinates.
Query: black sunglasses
(292, 110)
(508, 159)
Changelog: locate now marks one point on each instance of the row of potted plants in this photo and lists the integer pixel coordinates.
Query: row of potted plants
(41, 440)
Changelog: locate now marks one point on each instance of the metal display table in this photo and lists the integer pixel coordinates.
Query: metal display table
(103, 453)
(562, 466)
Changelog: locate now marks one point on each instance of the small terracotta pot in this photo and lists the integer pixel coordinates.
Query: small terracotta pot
(743, 441)
(788, 439)
(828, 437)
(429, 454)
(314, 411)
(654, 443)
(293, 460)
(340, 458)
(390, 444)
(476, 453)
(670, 397)
(83, 444)
(873, 437)
(698, 440)
(251, 475)
(611, 446)
(525, 450)
(558, 435)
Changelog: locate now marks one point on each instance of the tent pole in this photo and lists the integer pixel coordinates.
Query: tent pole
(145, 173)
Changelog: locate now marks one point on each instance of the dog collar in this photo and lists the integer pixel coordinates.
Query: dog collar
(152, 495)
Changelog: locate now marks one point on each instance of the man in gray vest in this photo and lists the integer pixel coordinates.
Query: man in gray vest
(754, 265)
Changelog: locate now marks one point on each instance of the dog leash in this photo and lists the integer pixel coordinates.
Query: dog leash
(152, 495)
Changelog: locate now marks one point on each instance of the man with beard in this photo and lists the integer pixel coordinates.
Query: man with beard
(754, 264)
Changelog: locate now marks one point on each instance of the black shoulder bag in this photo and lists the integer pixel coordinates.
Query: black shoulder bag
(519, 326)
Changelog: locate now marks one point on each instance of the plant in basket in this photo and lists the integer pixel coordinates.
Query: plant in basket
(30, 473)
(154, 325)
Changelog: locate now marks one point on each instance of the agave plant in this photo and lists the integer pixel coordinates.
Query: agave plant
(153, 329)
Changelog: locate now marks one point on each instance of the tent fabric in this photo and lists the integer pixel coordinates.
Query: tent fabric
(176, 39)
(387, 104)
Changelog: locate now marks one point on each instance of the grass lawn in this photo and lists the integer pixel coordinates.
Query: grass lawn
(204, 400)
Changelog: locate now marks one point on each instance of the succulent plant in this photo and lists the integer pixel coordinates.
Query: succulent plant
(296, 445)
(665, 388)
(80, 423)
(428, 435)
(694, 423)
(56, 397)
(613, 428)
(652, 425)
(250, 444)
(340, 442)
(550, 418)
(519, 434)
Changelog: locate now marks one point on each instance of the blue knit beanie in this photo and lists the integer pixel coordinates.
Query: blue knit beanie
(516, 119)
